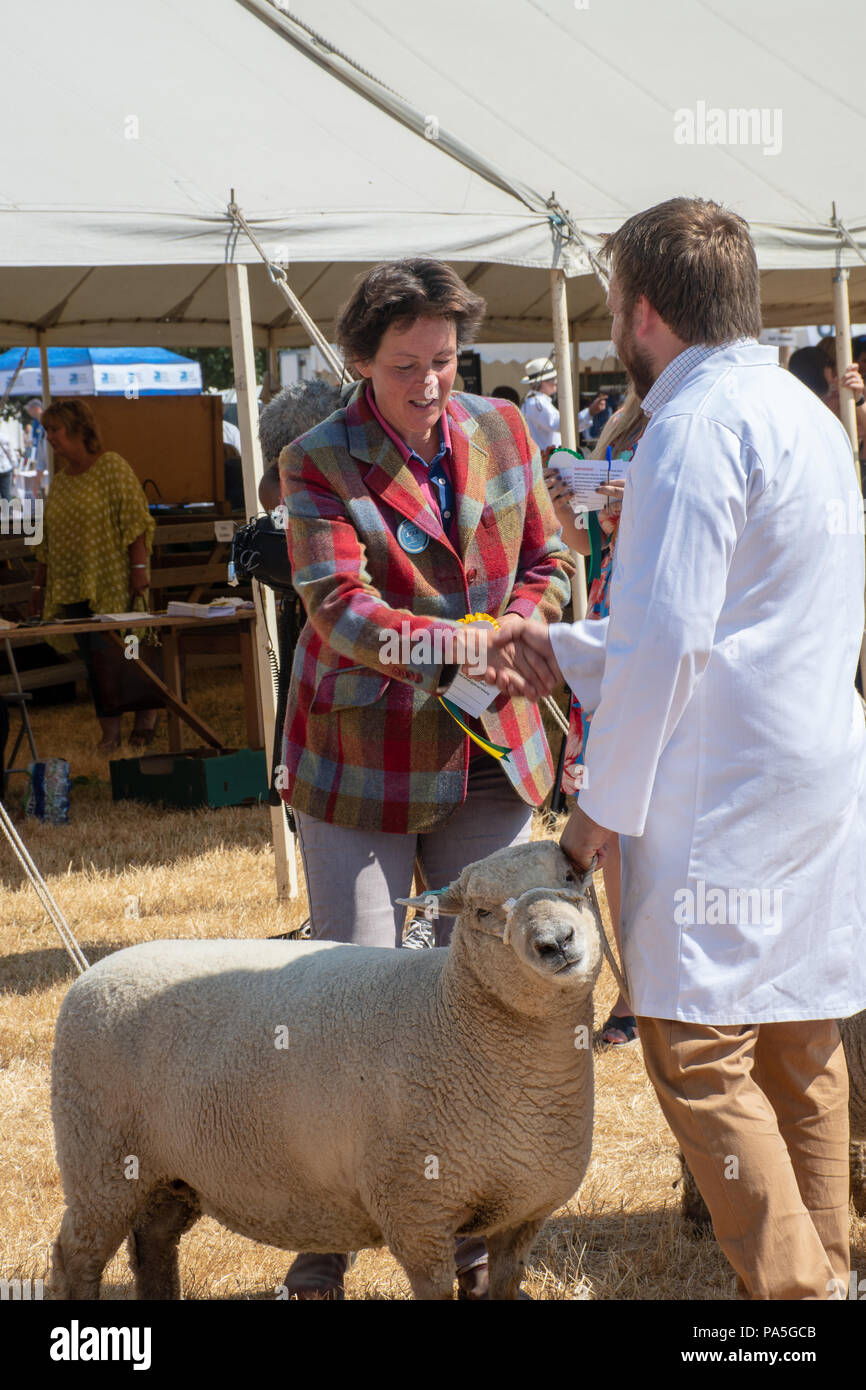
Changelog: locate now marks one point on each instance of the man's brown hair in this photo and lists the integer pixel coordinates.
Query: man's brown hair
(401, 292)
(695, 262)
(78, 420)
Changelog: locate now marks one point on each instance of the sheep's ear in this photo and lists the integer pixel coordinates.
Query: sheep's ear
(448, 900)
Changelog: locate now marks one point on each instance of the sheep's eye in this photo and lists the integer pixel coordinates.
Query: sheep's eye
(569, 877)
(484, 912)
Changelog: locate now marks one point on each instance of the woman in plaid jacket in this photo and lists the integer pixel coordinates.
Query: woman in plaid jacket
(408, 510)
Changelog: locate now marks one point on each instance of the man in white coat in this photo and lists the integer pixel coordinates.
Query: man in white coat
(728, 747)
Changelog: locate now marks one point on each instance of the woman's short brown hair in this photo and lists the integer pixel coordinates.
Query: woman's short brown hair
(695, 262)
(401, 292)
(78, 420)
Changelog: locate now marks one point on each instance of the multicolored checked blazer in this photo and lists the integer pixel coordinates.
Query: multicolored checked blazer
(367, 744)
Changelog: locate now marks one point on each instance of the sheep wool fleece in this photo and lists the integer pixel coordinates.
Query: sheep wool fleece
(319, 1096)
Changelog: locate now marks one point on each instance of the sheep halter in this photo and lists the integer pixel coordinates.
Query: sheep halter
(585, 889)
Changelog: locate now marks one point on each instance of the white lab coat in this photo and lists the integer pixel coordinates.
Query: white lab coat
(542, 418)
(728, 745)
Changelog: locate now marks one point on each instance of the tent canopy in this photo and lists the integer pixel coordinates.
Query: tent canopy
(101, 372)
(114, 208)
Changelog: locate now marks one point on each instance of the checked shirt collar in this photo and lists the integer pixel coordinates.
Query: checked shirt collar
(669, 381)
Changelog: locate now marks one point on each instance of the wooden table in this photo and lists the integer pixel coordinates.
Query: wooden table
(169, 689)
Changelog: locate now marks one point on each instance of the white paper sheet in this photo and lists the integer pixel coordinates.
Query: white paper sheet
(583, 476)
(472, 696)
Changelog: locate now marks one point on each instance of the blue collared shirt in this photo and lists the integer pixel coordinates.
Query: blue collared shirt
(437, 470)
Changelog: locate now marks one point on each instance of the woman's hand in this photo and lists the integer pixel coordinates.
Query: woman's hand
(576, 539)
(555, 484)
(490, 662)
(851, 379)
(609, 515)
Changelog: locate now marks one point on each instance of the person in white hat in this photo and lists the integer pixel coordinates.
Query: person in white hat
(540, 413)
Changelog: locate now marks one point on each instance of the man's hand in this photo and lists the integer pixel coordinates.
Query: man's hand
(582, 839)
(596, 406)
(531, 668)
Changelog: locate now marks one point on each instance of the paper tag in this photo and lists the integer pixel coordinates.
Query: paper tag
(583, 476)
(472, 696)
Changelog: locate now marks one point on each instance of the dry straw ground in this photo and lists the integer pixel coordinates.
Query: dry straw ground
(209, 874)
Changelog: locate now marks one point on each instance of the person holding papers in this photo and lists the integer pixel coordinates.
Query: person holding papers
(743, 843)
(410, 509)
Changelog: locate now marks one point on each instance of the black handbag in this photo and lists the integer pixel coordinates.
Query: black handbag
(259, 551)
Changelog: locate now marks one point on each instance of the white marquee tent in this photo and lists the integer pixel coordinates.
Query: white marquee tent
(141, 115)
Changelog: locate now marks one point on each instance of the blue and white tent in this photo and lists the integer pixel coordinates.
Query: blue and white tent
(102, 372)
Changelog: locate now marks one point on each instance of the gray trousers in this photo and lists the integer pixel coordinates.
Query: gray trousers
(353, 877)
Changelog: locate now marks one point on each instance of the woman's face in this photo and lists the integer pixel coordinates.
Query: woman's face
(412, 375)
(59, 440)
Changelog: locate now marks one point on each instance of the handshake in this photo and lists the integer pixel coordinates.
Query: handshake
(517, 657)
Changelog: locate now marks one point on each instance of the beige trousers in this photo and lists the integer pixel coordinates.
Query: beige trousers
(761, 1113)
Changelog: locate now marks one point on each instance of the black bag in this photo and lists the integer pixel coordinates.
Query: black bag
(260, 551)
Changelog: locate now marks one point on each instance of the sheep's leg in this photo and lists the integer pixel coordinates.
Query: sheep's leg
(857, 1159)
(507, 1255)
(154, 1239)
(429, 1266)
(84, 1245)
(694, 1208)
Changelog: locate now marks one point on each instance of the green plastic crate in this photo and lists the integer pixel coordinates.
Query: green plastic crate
(196, 777)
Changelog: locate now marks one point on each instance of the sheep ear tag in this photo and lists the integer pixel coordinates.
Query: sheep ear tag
(434, 902)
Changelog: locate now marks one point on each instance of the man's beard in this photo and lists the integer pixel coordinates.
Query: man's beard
(637, 363)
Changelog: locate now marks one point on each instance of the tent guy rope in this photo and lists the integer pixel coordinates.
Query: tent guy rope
(22, 854)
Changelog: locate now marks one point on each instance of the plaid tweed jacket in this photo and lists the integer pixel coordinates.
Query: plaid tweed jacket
(367, 744)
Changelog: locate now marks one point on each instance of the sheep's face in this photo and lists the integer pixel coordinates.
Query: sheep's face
(556, 936)
(529, 899)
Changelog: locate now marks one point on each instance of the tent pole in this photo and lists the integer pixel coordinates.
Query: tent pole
(567, 419)
(575, 380)
(243, 356)
(273, 383)
(842, 319)
(46, 394)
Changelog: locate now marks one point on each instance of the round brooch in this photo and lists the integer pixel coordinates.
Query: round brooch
(411, 538)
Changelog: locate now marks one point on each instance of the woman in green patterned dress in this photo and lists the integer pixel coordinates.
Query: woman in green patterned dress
(97, 536)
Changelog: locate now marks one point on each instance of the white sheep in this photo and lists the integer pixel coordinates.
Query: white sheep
(317, 1096)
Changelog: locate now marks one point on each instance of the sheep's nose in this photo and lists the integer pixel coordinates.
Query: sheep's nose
(554, 942)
